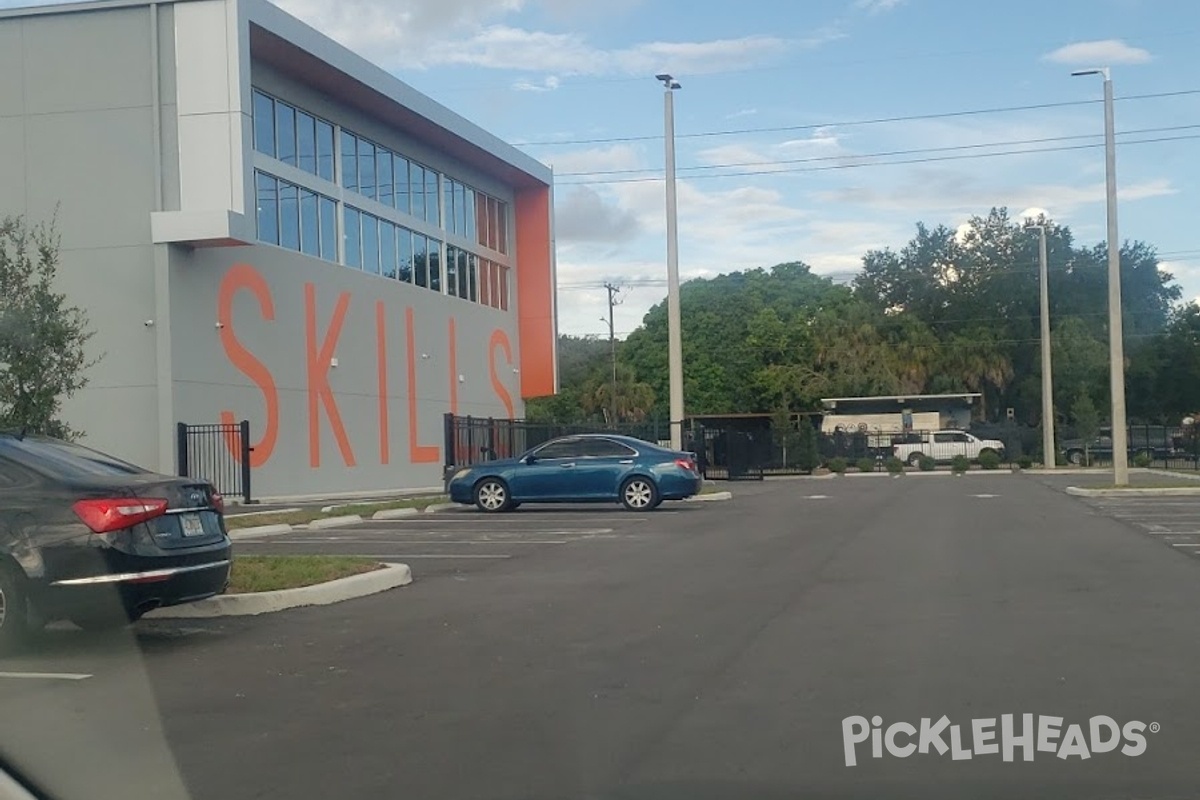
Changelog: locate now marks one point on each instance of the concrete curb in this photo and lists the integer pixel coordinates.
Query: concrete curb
(323, 594)
(260, 531)
(334, 522)
(714, 497)
(395, 513)
(1181, 491)
(439, 507)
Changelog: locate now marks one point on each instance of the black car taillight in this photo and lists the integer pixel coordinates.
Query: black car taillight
(105, 515)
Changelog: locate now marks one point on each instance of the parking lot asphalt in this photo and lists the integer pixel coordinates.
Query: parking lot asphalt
(712, 650)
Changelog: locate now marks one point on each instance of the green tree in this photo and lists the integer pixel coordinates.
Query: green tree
(1086, 419)
(42, 338)
(808, 456)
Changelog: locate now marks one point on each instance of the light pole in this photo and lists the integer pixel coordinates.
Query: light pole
(1116, 346)
(674, 326)
(1049, 451)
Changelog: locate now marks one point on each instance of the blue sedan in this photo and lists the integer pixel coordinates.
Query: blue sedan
(591, 468)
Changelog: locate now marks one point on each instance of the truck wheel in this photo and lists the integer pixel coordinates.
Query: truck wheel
(914, 460)
(985, 451)
(1075, 457)
(13, 625)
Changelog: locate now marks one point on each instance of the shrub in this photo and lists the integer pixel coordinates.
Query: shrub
(960, 464)
(1025, 462)
(927, 464)
(989, 460)
(894, 465)
(837, 465)
(865, 464)
(1142, 460)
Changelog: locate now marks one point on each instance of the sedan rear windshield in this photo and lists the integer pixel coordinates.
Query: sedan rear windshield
(64, 459)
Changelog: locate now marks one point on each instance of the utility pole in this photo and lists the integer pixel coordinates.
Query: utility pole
(613, 291)
(1116, 344)
(1049, 450)
(674, 325)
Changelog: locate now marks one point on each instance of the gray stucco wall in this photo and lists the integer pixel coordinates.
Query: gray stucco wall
(76, 130)
(208, 381)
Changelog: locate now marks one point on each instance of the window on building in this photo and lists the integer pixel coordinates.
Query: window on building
(387, 249)
(460, 209)
(485, 277)
(370, 244)
(493, 235)
(306, 142)
(264, 124)
(404, 254)
(349, 161)
(470, 213)
(383, 177)
(448, 205)
(289, 216)
(431, 197)
(502, 287)
(366, 168)
(464, 276)
(352, 235)
(502, 226)
(400, 175)
(451, 269)
(434, 257)
(421, 260)
(267, 192)
(328, 210)
(285, 133)
(472, 277)
(324, 150)
(310, 224)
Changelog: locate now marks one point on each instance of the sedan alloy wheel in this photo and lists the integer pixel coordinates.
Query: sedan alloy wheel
(639, 494)
(491, 496)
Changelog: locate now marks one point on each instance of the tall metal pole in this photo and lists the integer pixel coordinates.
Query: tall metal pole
(612, 344)
(674, 326)
(1116, 346)
(1049, 451)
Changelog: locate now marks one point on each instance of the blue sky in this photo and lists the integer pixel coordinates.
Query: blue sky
(563, 72)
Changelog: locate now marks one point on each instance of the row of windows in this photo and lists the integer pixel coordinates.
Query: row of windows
(380, 247)
(295, 137)
(306, 142)
(296, 218)
(386, 177)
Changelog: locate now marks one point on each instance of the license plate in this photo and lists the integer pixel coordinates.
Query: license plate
(192, 524)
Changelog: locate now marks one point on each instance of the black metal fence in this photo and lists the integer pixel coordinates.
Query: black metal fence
(219, 454)
(474, 440)
(1159, 446)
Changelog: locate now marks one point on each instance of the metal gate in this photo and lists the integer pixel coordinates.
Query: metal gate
(219, 454)
(729, 454)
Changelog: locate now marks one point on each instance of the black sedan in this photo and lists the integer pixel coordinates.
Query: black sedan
(92, 539)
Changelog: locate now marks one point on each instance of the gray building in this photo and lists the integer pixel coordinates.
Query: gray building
(262, 225)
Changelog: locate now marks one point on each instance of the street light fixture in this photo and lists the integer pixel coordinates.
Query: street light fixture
(1049, 450)
(674, 326)
(1116, 347)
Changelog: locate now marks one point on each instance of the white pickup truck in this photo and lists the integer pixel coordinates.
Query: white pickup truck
(944, 446)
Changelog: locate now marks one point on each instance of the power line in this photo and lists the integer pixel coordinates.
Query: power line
(854, 123)
(889, 153)
(929, 160)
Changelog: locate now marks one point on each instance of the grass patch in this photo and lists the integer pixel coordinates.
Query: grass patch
(271, 573)
(307, 515)
(709, 488)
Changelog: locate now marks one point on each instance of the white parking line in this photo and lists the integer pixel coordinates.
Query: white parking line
(47, 676)
(1186, 544)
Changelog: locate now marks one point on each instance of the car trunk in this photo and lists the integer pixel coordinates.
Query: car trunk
(192, 518)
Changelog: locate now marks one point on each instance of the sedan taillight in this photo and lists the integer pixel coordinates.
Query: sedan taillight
(218, 502)
(105, 515)
(684, 463)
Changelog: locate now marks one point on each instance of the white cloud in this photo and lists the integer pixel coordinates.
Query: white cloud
(876, 6)
(595, 159)
(745, 112)
(584, 216)
(781, 156)
(418, 34)
(548, 84)
(1034, 213)
(1102, 53)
